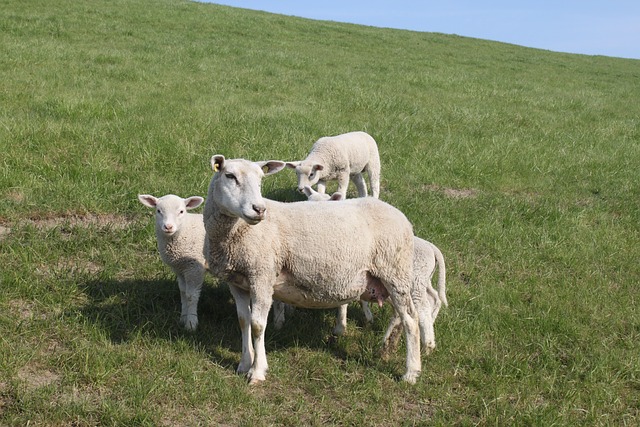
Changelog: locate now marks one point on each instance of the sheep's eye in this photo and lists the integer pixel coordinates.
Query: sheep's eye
(230, 176)
(158, 211)
(311, 175)
(181, 211)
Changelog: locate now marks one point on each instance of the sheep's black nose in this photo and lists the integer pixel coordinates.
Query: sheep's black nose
(259, 209)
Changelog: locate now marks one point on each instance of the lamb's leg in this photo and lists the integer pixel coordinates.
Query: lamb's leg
(243, 308)
(405, 310)
(367, 311)
(277, 309)
(361, 186)
(190, 294)
(261, 300)
(392, 336)
(341, 321)
(343, 183)
(322, 186)
(183, 298)
(373, 170)
(425, 318)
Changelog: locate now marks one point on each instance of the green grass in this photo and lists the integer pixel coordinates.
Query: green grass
(520, 164)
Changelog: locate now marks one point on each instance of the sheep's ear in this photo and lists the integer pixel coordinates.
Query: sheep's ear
(292, 165)
(336, 196)
(193, 202)
(308, 191)
(217, 162)
(317, 167)
(148, 200)
(271, 166)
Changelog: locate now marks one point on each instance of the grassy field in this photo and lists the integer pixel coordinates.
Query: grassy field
(520, 164)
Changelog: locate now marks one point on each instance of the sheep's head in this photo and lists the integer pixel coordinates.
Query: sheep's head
(170, 210)
(308, 173)
(236, 186)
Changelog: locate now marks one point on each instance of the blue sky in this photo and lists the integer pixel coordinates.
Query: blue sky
(604, 27)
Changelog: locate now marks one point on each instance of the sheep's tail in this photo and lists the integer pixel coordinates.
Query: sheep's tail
(442, 275)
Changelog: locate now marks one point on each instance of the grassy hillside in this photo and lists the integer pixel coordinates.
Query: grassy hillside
(520, 164)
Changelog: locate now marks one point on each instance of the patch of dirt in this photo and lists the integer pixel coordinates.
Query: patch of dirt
(118, 222)
(36, 378)
(113, 221)
(21, 309)
(455, 193)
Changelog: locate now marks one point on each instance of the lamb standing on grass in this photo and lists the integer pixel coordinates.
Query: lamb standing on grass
(339, 158)
(268, 249)
(181, 238)
(425, 257)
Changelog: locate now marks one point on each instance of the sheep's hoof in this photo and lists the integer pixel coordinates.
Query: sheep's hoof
(189, 323)
(242, 369)
(411, 377)
(428, 348)
(255, 381)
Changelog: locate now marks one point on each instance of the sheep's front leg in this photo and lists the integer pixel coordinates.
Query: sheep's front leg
(261, 300)
(190, 284)
(243, 308)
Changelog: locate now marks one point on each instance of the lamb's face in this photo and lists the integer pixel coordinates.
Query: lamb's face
(308, 174)
(170, 211)
(314, 196)
(237, 190)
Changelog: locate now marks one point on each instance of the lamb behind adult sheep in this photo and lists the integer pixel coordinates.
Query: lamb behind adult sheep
(339, 158)
(427, 302)
(267, 249)
(181, 237)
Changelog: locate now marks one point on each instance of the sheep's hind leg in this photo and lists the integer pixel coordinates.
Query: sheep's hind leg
(406, 311)
(243, 308)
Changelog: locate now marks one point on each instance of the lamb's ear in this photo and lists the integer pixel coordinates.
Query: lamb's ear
(193, 202)
(217, 162)
(336, 196)
(308, 191)
(292, 165)
(271, 166)
(148, 200)
(317, 167)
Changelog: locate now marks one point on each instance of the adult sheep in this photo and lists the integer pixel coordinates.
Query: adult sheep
(426, 256)
(267, 249)
(180, 237)
(339, 158)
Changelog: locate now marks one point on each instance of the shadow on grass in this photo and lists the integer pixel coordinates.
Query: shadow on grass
(127, 309)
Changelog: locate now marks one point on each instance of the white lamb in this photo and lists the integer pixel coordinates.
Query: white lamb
(267, 249)
(339, 158)
(181, 237)
(425, 257)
